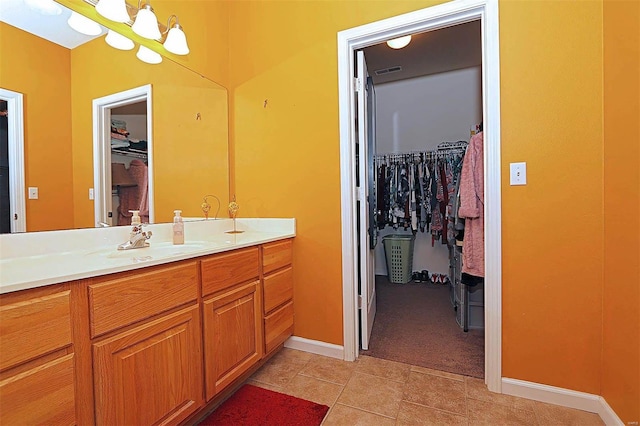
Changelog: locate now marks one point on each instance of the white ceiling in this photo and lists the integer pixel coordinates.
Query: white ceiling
(428, 53)
(50, 27)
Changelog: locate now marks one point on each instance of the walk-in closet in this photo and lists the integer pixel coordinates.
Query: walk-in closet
(428, 171)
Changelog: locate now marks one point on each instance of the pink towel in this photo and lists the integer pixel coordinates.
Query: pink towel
(472, 207)
(135, 197)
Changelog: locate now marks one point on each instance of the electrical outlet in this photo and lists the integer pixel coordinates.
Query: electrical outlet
(33, 192)
(518, 173)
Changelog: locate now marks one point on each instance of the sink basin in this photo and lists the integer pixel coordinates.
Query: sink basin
(156, 251)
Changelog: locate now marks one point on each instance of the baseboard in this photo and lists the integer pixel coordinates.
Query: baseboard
(315, 347)
(564, 397)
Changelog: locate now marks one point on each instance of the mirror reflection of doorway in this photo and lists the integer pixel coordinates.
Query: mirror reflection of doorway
(5, 202)
(129, 163)
(123, 161)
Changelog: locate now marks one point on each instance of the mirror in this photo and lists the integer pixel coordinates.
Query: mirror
(189, 127)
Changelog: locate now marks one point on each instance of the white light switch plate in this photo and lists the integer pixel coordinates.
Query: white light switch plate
(91, 196)
(33, 192)
(518, 174)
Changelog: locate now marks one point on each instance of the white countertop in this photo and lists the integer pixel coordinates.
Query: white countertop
(37, 259)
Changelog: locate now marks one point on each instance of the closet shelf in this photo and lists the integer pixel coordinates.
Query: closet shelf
(129, 153)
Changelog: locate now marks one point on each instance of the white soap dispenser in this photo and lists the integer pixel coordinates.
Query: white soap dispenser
(135, 217)
(178, 228)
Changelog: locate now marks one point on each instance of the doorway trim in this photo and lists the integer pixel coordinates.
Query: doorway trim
(432, 18)
(102, 147)
(15, 134)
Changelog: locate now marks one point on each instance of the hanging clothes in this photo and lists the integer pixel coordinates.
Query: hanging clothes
(472, 207)
(135, 197)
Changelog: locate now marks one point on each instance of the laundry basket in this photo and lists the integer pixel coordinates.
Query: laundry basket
(398, 250)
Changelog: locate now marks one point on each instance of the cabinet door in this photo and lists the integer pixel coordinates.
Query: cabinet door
(232, 336)
(151, 374)
(43, 395)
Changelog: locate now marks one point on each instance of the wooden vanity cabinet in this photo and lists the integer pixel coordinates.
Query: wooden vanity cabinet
(37, 368)
(232, 313)
(278, 293)
(147, 356)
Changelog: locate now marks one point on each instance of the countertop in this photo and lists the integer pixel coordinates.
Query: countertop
(43, 258)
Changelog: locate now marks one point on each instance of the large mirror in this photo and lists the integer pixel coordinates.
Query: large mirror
(188, 133)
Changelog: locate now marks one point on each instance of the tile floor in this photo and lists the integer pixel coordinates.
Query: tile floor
(374, 391)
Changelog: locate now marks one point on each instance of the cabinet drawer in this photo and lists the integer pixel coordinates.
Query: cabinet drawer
(278, 327)
(34, 327)
(44, 395)
(126, 299)
(278, 289)
(225, 270)
(276, 255)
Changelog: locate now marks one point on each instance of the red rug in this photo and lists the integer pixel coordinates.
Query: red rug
(254, 406)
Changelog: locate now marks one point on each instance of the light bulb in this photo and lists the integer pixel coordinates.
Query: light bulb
(146, 24)
(84, 25)
(176, 41)
(118, 41)
(149, 56)
(115, 10)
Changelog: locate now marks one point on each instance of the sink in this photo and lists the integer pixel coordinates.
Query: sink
(155, 251)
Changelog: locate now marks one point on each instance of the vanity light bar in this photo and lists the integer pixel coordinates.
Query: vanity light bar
(132, 11)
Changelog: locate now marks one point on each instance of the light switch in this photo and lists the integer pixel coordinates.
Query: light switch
(518, 173)
(91, 194)
(33, 192)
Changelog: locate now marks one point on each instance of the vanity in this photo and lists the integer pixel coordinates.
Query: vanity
(159, 335)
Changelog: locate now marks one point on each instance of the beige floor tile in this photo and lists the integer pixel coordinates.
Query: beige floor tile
(330, 369)
(436, 392)
(286, 355)
(278, 373)
(491, 414)
(413, 414)
(476, 389)
(315, 390)
(391, 370)
(373, 394)
(265, 386)
(444, 374)
(341, 415)
(549, 414)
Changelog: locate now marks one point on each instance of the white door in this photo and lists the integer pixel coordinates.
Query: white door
(366, 203)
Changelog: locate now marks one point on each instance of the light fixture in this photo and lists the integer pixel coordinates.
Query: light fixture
(176, 41)
(146, 23)
(44, 7)
(115, 10)
(399, 43)
(149, 56)
(118, 41)
(84, 25)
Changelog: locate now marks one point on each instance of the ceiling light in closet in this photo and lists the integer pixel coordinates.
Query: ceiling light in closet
(84, 25)
(149, 56)
(118, 41)
(115, 10)
(146, 23)
(400, 42)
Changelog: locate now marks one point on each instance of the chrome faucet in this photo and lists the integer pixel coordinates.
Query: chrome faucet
(137, 238)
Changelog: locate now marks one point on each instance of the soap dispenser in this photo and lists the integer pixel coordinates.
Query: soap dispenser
(178, 228)
(135, 217)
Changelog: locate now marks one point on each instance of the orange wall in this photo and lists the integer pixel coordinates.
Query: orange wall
(620, 369)
(551, 112)
(190, 155)
(39, 70)
(287, 164)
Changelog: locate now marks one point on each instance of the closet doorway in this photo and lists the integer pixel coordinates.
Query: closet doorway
(12, 169)
(434, 18)
(123, 172)
(427, 104)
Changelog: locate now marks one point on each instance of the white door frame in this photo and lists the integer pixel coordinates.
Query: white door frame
(15, 105)
(432, 18)
(102, 147)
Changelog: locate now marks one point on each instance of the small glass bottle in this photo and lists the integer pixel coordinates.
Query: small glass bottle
(178, 228)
